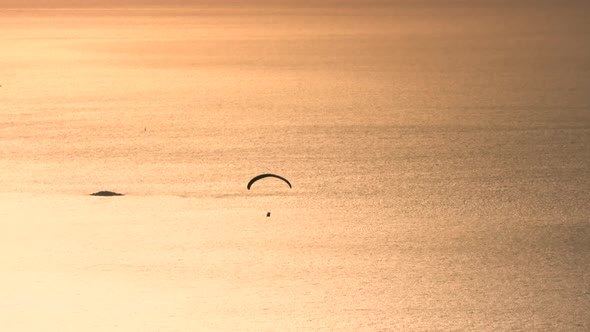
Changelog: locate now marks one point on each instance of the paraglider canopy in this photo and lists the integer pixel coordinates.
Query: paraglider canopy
(262, 176)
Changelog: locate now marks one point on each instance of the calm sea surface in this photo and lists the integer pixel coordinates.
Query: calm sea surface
(439, 155)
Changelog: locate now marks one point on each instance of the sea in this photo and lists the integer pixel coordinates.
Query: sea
(438, 151)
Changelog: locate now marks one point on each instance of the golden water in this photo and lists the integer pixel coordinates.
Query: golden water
(438, 154)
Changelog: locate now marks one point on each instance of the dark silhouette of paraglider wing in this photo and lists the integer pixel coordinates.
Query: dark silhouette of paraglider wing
(262, 176)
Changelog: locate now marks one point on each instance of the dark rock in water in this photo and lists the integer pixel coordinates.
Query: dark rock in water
(106, 193)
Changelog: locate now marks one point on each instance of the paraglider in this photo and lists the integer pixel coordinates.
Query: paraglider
(262, 176)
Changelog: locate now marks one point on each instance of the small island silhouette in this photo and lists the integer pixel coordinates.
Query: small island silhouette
(106, 193)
